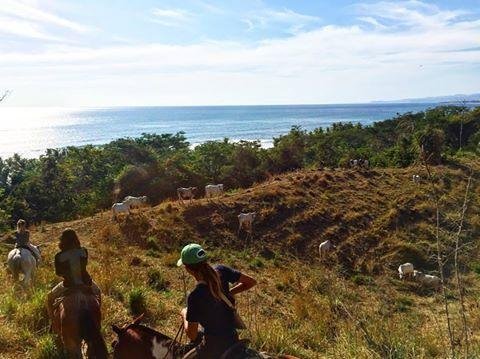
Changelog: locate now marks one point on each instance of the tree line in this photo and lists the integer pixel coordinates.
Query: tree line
(71, 182)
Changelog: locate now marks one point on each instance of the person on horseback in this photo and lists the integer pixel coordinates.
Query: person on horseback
(22, 238)
(71, 264)
(211, 304)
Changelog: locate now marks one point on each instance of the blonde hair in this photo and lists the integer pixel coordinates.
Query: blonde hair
(21, 224)
(211, 277)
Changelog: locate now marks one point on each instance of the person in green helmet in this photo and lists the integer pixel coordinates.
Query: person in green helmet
(211, 303)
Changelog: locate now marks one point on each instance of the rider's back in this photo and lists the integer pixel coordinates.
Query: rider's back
(71, 264)
(22, 239)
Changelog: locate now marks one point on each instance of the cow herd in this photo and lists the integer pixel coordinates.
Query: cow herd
(245, 220)
(406, 270)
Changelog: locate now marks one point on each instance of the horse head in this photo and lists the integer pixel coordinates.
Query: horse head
(139, 341)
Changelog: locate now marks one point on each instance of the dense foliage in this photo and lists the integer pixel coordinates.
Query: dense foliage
(76, 181)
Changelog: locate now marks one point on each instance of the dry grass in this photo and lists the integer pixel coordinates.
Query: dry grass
(352, 307)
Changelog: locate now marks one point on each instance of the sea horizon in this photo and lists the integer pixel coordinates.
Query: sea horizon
(30, 131)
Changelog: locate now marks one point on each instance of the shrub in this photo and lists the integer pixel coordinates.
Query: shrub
(257, 263)
(156, 281)
(361, 279)
(137, 301)
(8, 305)
(47, 349)
(403, 304)
(152, 243)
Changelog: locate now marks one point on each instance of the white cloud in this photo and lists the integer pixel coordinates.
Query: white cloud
(411, 13)
(210, 7)
(22, 28)
(398, 57)
(18, 9)
(22, 20)
(170, 17)
(266, 17)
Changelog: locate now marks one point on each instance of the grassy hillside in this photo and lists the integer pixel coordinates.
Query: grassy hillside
(350, 306)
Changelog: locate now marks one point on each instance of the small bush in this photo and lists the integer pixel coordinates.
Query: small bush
(8, 306)
(152, 244)
(47, 349)
(361, 279)
(257, 263)
(157, 282)
(137, 301)
(475, 266)
(403, 304)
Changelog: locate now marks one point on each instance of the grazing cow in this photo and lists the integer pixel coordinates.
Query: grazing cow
(355, 163)
(22, 261)
(135, 202)
(405, 270)
(118, 208)
(245, 221)
(366, 163)
(213, 190)
(186, 193)
(324, 248)
(427, 280)
(416, 179)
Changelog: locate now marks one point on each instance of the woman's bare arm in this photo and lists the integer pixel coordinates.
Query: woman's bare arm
(244, 283)
(191, 328)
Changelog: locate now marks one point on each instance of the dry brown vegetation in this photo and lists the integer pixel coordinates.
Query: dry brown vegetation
(352, 306)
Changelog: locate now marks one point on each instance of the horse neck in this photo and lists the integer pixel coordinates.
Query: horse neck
(149, 333)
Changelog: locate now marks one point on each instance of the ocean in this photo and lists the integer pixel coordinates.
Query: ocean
(30, 131)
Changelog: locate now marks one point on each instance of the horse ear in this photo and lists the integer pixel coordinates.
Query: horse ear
(138, 319)
(116, 329)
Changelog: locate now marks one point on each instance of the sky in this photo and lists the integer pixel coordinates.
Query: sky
(100, 53)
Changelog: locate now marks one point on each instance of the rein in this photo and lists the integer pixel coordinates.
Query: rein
(178, 340)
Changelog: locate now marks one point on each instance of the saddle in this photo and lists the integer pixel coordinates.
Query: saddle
(240, 350)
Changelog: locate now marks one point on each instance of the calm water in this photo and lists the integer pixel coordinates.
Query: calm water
(30, 131)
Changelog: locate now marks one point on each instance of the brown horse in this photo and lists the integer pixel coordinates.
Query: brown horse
(76, 319)
(138, 341)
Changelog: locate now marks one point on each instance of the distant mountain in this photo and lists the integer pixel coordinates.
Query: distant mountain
(457, 99)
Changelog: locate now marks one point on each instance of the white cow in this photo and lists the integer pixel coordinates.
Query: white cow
(22, 261)
(366, 163)
(245, 221)
(355, 163)
(213, 190)
(427, 280)
(186, 193)
(405, 270)
(118, 208)
(324, 248)
(416, 179)
(135, 202)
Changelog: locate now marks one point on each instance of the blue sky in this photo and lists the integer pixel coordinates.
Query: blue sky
(205, 52)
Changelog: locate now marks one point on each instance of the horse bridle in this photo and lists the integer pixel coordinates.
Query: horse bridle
(177, 339)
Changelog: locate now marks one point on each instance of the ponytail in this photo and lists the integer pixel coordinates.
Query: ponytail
(211, 277)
